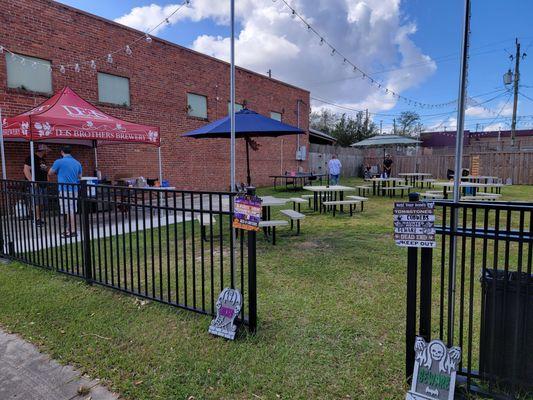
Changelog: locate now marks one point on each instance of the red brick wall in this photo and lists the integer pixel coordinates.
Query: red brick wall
(160, 76)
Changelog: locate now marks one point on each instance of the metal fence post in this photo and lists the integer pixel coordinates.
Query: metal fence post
(252, 275)
(410, 321)
(85, 233)
(426, 265)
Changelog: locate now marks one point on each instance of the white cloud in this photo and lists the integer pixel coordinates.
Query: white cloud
(494, 127)
(374, 34)
(505, 109)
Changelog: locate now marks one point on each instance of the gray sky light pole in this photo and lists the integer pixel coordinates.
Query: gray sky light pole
(458, 167)
(232, 98)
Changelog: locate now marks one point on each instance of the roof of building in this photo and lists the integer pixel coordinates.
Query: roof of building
(313, 133)
(385, 140)
(125, 27)
(447, 138)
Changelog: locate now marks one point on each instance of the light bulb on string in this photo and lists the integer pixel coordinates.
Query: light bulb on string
(34, 65)
(1, 49)
(93, 64)
(148, 39)
(110, 58)
(332, 52)
(293, 14)
(77, 68)
(23, 61)
(321, 41)
(128, 50)
(167, 21)
(62, 69)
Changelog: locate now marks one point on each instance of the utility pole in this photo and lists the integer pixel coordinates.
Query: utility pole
(516, 80)
(366, 121)
(270, 73)
(394, 126)
(381, 127)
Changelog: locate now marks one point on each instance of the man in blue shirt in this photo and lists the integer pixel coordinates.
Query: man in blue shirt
(334, 166)
(68, 171)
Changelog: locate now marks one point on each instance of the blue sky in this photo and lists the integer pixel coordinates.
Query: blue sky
(434, 31)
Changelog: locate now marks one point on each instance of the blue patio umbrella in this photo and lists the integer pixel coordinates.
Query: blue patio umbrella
(248, 124)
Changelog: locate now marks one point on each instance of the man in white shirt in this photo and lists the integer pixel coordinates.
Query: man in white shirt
(334, 166)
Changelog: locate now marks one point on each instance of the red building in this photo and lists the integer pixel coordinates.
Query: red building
(160, 83)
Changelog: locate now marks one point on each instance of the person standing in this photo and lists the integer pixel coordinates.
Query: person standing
(39, 191)
(387, 166)
(68, 171)
(334, 166)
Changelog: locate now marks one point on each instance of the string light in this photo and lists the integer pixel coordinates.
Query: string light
(34, 65)
(364, 76)
(77, 68)
(109, 56)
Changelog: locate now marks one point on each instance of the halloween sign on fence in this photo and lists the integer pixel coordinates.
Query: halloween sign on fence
(228, 307)
(435, 371)
(414, 224)
(247, 212)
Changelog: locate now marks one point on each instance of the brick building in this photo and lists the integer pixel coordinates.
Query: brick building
(160, 83)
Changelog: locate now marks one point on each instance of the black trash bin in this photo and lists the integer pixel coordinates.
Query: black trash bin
(506, 342)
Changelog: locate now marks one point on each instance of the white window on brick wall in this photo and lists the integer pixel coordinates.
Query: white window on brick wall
(28, 73)
(196, 105)
(113, 89)
(238, 107)
(275, 115)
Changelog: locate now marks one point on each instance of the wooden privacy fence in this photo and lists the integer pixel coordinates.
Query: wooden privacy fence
(516, 165)
(350, 158)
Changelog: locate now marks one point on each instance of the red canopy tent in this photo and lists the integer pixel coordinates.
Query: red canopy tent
(67, 118)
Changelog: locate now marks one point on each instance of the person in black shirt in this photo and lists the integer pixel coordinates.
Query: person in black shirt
(387, 166)
(41, 176)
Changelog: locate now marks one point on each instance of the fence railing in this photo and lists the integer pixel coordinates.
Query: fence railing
(486, 307)
(172, 246)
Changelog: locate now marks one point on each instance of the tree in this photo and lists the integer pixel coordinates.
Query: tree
(408, 124)
(347, 130)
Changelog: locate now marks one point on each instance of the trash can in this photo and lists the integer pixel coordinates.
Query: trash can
(506, 341)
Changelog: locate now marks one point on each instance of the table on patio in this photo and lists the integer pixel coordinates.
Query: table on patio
(379, 183)
(321, 192)
(297, 180)
(465, 185)
(415, 177)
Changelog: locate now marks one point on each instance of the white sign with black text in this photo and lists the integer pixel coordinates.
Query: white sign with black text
(414, 224)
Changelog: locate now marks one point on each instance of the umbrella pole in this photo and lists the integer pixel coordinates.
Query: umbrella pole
(2, 150)
(95, 157)
(248, 176)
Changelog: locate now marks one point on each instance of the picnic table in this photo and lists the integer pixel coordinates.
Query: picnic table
(482, 179)
(327, 193)
(415, 177)
(379, 183)
(297, 180)
(465, 185)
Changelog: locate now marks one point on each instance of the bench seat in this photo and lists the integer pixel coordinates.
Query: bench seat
(336, 203)
(294, 216)
(478, 198)
(429, 195)
(272, 224)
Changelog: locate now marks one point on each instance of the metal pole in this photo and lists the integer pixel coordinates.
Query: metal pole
(160, 166)
(95, 155)
(2, 150)
(458, 169)
(515, 100)
(32, 184)
(232, 98)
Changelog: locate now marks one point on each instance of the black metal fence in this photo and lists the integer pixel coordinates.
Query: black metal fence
(172, 246)
(486, 306)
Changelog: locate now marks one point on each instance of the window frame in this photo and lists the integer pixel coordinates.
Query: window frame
(189, 108)
(236, 106)
(280, 116)
(22, 88)
(108, 103)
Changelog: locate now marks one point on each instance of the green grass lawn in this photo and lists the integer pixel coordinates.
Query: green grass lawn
(331, 320)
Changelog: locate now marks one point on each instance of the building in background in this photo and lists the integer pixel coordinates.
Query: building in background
(478, 141)
(159, 83)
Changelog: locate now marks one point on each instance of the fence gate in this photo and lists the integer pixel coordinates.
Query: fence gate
(172, 246)
(486, 307)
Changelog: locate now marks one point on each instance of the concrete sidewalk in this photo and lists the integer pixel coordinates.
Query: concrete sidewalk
(27, 374)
